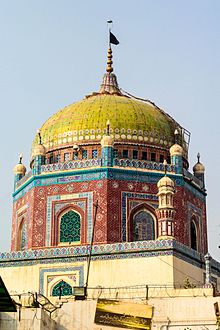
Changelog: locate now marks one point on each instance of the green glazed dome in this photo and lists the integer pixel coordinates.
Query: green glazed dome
(131, 120)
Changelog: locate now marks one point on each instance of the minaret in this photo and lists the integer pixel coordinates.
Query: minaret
(38, 154)
(176, 154)
(107, 143)
(19, 171)
(165, 212)
(199, 171)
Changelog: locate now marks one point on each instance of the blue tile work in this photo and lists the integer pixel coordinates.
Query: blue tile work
(143, 164)
(100, 174)
(51, 199)
(80, 204)
(125, 196)
(105, 252)
(69, 165)
(80, 269)
(107, 156)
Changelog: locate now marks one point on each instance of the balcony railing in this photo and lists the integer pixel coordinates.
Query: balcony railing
(70, 165)
(142, 164)
(190, 177)
(24, 179)
(97, 162)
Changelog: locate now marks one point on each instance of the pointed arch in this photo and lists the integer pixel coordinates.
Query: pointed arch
(61, 288)
(23, 235)
(142, 223)
(56, 221)
(193, 234)
(70, 227)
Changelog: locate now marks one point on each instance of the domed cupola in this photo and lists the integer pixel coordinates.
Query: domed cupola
(38, 155)
(135, 123)
(199, 170)
(19, 171)
(39, 149)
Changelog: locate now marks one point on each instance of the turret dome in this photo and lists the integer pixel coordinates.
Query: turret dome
(198, 168)
(165, 181)
(39, 150)
(20, 168)
(176, 149)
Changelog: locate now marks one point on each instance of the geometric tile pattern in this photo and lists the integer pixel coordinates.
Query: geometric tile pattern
(70, 227)
(51, 199)
(43, 271)
(62, 289)
(125, 198)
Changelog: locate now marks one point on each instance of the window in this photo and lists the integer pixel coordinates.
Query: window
(115, 153)
(62, 289)
(84, 154)
(144, 155)
(135, 154)
(66, 156)
(193, 235)
(75, 155)
(58, 158)
(143, 226)
(125, 154)
(70, 230)
(168, 160)
(161, 158)
(153, 157)
(94, 153)
(23, 235)
(51, 159)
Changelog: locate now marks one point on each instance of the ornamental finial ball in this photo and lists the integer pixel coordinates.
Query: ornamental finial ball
(198, 167)
(20, 168)
(176, 150)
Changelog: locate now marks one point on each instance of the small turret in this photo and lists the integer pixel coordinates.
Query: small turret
(176, 154)
(38, 154)
(165, 212)
(19, 170)
(199, 170)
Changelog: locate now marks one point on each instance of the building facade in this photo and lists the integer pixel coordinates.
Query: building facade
(110, 169)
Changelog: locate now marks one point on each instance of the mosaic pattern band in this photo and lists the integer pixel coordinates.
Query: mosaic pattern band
(71, 165)
(102, 250)
(92, 174)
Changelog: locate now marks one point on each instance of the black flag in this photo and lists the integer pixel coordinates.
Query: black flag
(113, 39)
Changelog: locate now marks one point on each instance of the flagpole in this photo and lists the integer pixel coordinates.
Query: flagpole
(109, 30)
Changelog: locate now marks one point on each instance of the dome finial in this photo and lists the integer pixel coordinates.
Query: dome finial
(108, 126)
(39, 136)
(176, 134)
(20, 158)
(109, 84)
(109, 68)
(112, 40)
(198, 157)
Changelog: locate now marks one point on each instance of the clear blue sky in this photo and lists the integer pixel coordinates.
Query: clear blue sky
(52, 53)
